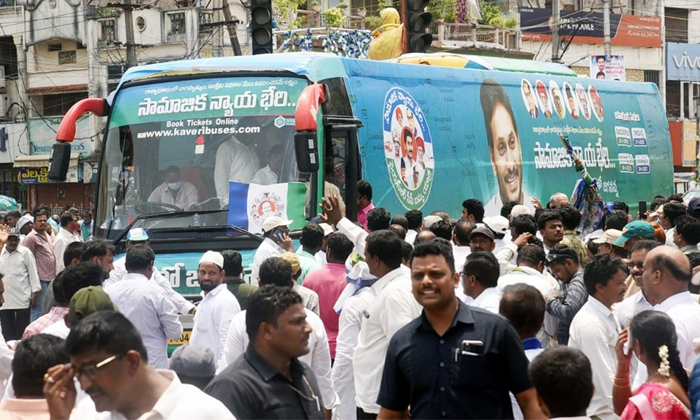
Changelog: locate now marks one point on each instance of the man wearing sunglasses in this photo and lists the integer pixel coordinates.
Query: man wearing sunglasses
(109, 359)
(563, 262)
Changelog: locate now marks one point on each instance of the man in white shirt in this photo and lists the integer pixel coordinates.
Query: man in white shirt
(595, 329)
(276, 242)
(393, 308)
(460, 242)
(530, 270)
(70, 232)
(21, 287)
(175, 191)
(666, 277)
(270, 173)
(217, 308)
(234, 162)
(109, 359)
(638, 302)
(352, 312)
(276, 271)
(139, 237)
(146, 305)
(480, 278)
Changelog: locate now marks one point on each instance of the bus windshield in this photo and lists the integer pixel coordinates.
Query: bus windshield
(177, 150)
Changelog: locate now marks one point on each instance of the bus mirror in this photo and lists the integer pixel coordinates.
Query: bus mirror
(306, 147)
(59, 161)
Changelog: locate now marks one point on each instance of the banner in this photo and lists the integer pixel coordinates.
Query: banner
(250, 204)
(610, 67)
(682, 62)
(690, 141)
(587, 27)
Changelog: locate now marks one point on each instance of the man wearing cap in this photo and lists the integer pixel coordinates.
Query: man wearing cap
(218, 305)
(21, 287)
(276, 241)
(139, 237)
(482, 239)
(194, 365)
(25, 224)
(84, 302)
(563, 263)
(606, 243)
(499, 226)
(146, 305)
(308, 296)
(634, 232)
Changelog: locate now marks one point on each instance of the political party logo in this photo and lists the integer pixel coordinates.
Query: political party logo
(408, 148)
(266, 205)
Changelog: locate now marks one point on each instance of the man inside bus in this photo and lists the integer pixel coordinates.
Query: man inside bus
(175, 191)
(234, 162)
(270, 173)
(504, 147)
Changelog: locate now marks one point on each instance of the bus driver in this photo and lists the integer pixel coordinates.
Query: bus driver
(504, 147)
(175, 191)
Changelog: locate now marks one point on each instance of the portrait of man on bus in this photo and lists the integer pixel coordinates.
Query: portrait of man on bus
(571, 104)
(504, 147)
(596, 103)
(583, 100)
(529, 98)
(557, 99)
(544, 99)
(408, 144)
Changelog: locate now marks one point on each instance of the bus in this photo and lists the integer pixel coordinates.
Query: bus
(270, 134)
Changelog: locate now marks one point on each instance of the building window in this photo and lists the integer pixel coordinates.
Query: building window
(205, 19)
(55, 47)
(651, 76)
(140, 23)
(67, 57)
(59, 104)
(177, 23)
(108, 30)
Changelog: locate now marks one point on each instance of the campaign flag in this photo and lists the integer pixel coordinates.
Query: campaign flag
(250, 204)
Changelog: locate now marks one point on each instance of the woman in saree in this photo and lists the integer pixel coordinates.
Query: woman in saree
(664, 396)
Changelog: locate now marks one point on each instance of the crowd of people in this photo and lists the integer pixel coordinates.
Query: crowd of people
(391, 317)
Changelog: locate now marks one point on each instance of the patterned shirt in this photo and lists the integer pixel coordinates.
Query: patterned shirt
(56, 314)
(575, 243)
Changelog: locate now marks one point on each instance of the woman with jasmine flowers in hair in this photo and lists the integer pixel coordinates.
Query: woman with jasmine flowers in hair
(664, 396)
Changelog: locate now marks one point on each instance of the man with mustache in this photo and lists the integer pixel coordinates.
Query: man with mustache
(638, 302)
(217, 308)
(504, 147)
(453, 361)
(269, 381)
(109, 359)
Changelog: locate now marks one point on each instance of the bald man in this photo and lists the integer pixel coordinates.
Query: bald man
(666, 276)
(557, 199)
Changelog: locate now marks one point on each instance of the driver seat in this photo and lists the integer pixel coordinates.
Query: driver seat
(194, 175)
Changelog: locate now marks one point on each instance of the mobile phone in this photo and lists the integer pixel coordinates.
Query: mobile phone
(472, 347)
(278, 234)
(642, 209)
(628, 344)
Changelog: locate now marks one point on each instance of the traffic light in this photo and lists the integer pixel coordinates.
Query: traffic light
(417, 22)
(261, 26)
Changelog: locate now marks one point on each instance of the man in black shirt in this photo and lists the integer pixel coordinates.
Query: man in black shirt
(268, 382)
(453, 361)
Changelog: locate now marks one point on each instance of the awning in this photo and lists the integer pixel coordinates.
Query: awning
(41, 161)
(50, 90)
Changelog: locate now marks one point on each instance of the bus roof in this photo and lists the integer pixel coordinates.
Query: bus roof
(321, 66)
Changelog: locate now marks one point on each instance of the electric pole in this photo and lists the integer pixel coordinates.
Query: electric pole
(555, 31)
(606, 26)
(231, 27)
(130, 45)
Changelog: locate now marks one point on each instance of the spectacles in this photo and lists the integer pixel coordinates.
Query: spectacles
(92, 371)
(554, 257)
(639, 266)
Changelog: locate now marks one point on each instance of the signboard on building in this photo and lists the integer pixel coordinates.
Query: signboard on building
(42, 136)
(611, 67)
(690, 141)
(41, 175)
(587, 27)
(682, 62)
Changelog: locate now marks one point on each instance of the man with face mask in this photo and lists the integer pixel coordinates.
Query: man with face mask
(217, 308)
(69, 233)
(146, 305)
(175, 191)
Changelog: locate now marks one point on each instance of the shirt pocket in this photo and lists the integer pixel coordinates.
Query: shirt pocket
(471, 371)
